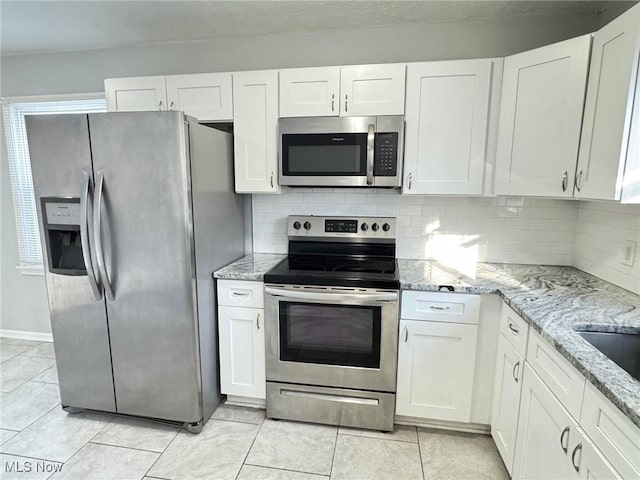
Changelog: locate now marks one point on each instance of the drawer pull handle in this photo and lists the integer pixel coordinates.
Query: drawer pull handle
(515, 370)
(406, 334)
(258, 321)
(240, 294)
(573, 457)
(513, 329)
(436, 307)
(562, 444)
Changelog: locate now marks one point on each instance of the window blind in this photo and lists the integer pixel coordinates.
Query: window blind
(24, 203)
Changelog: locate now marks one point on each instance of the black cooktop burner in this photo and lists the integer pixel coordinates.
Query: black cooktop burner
(337, 264)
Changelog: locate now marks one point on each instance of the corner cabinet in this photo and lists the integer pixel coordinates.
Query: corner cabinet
(609, 161)
(447, 121)
(255, 131)
(436, 355)
(359, 90)
(540, 119)
(205, 96)
(241, 338)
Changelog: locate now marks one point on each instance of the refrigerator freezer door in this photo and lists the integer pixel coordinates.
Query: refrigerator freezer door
(147, 238)
(60, 156)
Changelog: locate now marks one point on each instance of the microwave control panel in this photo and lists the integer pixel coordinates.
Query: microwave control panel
(385, 157)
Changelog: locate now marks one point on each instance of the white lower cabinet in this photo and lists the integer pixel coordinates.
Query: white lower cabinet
(242, 362)
(545, 433)
(588, 462)
(436, 363)
(506, 400)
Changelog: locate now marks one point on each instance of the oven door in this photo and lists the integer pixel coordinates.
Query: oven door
(338, 337)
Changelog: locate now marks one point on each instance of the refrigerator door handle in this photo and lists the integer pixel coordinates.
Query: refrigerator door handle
(97, 232)
(94, 279)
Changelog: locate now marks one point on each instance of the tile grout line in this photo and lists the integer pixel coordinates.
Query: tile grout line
(249, 450)
(121, 446)
(377, 438)
(162, 453)
(335, 448)
(420, 454)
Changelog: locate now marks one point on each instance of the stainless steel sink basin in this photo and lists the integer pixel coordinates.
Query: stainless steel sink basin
(621, 348)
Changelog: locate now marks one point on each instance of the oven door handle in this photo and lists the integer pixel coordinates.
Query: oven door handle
(333, 297)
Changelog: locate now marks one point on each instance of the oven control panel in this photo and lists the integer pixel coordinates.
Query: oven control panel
(336, 227)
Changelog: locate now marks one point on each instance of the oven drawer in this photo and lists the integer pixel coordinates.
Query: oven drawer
(331, 406)
(440, 307)
(238, 293)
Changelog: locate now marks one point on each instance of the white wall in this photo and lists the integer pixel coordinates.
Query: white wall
(23, 304)
(456, 230)
(601, 230)
(77, 72)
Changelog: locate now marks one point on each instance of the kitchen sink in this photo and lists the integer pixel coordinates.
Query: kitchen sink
(621, 348)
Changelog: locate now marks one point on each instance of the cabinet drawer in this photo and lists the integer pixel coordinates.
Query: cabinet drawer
(613, 433)
(566, 383)
(236, 293)
(440, 307)
(515, 329)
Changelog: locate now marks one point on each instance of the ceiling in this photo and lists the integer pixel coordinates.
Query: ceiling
(50, 26)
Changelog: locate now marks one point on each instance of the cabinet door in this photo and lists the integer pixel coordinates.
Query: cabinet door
(608, 108)
(506, 400)
(372, 89)
(242, 364)
(206, 96)
(136, 94)
(446, 127)
(540, 118)
(255, 131)
(310, 92)
(545, 433)
(436, 364)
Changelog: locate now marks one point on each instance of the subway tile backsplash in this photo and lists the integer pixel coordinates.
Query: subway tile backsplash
(601, 231)
(456, 230)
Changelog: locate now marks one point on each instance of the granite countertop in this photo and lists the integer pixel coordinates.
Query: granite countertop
(555, 301)
(250, 267)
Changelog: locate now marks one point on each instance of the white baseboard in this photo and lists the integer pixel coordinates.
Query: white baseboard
(443, 425)
(246, 402)
(26, 335)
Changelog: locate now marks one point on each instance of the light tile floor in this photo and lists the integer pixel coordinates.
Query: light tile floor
(236, 443)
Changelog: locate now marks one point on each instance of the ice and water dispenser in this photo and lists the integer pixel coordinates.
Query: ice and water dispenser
(61, 218)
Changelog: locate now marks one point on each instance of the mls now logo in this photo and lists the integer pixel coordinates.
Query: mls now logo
(28, 466)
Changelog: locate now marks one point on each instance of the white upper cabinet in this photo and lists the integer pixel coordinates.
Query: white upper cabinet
(447, 116)
(310, 92)
(540, 119)
(346, 91)
(255, 131)
(136, 94)
(206, 96)
(607, 170)
(372, 89)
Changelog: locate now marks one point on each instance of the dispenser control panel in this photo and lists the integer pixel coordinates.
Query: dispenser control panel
(62, 213)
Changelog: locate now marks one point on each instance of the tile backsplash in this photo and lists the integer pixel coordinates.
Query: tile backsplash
(458, 231)
(601, 231)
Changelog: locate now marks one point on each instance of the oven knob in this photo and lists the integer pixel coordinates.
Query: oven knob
(296, 225)
(307, 225)
(386, 227)
(374, 227)
(364, 227)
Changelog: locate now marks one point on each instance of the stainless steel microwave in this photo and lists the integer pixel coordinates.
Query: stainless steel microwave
(341, 151)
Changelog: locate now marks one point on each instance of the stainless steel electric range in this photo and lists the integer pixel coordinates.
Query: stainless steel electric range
(331, 313)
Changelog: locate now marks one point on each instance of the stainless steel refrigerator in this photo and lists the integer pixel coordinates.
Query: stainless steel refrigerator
(136, 211)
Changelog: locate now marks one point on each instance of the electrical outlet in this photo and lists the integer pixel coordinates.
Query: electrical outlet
(629, 253)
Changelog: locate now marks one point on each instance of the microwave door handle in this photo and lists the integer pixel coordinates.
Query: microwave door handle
(371, 137)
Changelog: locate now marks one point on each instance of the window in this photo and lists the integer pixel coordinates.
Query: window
(24, 204)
